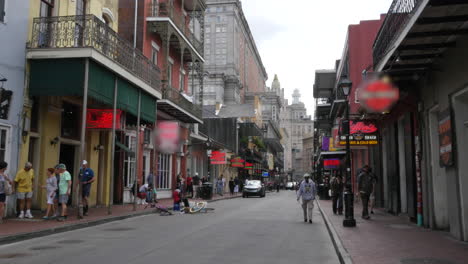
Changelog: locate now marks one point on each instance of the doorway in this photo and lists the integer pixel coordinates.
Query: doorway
(68, 157)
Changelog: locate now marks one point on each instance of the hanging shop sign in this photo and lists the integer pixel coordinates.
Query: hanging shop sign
(248, 165)
(168, 136)
(331, 164)
(103, 119)
(325, 143)
(218, 157)
(360, 140)
(237, 162)
(362, 127)
(265, 174)
(378, 96)
(445, 139)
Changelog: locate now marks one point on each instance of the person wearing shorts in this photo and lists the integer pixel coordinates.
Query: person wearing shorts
(24, 182)
(64, 186)
(86, 179)
(51, 188)
(3, 181)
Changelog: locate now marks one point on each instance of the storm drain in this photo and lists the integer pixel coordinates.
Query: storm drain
(44, 247)
(426, 261)
(13, 255)
(70, 241)
(119, 229)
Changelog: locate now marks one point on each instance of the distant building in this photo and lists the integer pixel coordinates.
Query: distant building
(233, 64)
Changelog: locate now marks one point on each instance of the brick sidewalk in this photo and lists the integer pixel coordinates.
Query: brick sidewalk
(388, 239)
(12, 227)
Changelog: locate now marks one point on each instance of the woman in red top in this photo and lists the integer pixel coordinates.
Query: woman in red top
(177, 199)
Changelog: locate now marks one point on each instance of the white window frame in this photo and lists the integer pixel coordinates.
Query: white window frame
(164, 171)
(7, 128)
(130, 170)
(154, 52)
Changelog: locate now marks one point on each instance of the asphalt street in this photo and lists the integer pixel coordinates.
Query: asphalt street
(250, 230)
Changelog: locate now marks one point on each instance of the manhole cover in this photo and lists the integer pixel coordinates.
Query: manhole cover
(119, 229)
(70, 241)
(13, 255)
(400, 226)
(44, 247)
(426, 261)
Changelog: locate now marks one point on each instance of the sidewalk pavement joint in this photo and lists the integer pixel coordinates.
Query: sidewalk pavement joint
(342, 253)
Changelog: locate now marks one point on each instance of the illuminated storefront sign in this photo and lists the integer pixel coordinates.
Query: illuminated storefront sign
(237, 162)
(102, 119)
(360, 140)
(331, 163)
(248, 165)
(218, 157)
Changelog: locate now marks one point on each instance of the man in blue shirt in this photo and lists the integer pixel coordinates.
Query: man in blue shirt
(307, 190)
(86, 179)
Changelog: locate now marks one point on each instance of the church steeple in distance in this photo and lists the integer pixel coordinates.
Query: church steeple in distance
(276, 86)
(296, 97)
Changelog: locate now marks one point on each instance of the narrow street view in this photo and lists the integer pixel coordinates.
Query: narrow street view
(234, 131)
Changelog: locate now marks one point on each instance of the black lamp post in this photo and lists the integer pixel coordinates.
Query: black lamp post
(349, 221)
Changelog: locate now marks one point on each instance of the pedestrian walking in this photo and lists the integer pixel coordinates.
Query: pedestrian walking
(366, 181)
(5, 188)
(196, 182)
(65, 185)
(23, 183)
(231, 186)
(189, 188)
(57, 192)
(86, 179)
(220, 186)
(51, 189)
(277, 187)
(336, 187)
(307, 191)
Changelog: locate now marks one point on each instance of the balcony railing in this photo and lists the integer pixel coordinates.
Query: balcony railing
(401, 11)
(88, 31)
(176, 97)
(168, 10)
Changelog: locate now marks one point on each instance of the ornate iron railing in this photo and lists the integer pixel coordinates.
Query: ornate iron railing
(401, 11)
(88, 31)
(176, 96)
(166, 9)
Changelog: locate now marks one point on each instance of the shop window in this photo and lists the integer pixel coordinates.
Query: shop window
(129, 161)
(4, 134)
(71, 121)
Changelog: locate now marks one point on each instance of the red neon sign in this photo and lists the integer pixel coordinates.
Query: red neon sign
(362, 128)
(102, 119)
(218, 158)
(331, 163)
(248, 165)
(237, 163)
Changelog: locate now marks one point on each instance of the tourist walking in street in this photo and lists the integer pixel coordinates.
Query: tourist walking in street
(196, 183)
(336, 186)
(366, 182)
(65, 185)
(189, 186)
(231, 186)
(24, 182)
(86, 179)
(307, 191)
(5, 188)
(51, 189)
(220, 186)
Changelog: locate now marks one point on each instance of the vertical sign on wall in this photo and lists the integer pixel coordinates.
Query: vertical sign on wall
(445, 138)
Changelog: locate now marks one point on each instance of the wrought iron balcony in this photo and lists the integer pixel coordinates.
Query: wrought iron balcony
(175, 96)
(88, 31)
(401, 11)
(167, 9)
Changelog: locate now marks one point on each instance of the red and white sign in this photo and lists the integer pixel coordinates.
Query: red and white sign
(218, 157)
(168, 136)
(378, 96)
(103, 119)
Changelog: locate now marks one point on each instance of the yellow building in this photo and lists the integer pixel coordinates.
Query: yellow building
(76, 64)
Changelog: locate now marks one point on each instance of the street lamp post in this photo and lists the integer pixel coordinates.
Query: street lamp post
(349, 220)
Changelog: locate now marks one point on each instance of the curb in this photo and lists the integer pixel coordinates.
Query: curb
(343, 255)
(55, 230)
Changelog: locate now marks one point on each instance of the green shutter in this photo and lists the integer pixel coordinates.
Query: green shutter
(58, 77)
(101, 84)
(148, 107)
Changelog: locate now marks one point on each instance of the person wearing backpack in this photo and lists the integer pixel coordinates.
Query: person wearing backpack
(366, 182)
(5, 188)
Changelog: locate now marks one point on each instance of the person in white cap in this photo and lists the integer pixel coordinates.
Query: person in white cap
(307, 190)
(86, 179)
(24, 184)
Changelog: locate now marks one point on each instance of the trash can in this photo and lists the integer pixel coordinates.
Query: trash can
(206, 191)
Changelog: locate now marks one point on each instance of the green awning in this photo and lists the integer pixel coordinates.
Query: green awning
(65, 77)
(125, 148)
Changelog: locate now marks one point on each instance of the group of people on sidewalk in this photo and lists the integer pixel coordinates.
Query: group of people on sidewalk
(366, 191)
(58, 186)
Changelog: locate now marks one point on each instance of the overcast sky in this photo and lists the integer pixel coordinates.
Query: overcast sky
(297, 37)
